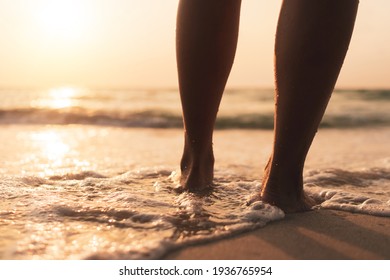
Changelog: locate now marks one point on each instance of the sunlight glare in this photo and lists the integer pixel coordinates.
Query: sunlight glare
(63, 19)
(58, 98)
(57, 153)
(52, 145)
(62, 97)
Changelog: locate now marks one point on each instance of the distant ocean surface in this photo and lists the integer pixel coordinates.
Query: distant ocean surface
(89, 174)
(247, 108)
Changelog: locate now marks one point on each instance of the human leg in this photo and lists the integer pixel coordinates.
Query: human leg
(206, 39)
(311, 43)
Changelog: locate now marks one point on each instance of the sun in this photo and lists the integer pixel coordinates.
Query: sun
(66, 20)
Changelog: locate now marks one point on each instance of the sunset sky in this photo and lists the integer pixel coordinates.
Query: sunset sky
(131, 44)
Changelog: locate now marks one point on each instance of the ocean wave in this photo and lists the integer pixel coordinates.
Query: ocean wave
(354, 203)
(358, 191)
(166, 119)
(76, 115)
(134, 215)
(365, 94)
(137, 215)
(340, 177)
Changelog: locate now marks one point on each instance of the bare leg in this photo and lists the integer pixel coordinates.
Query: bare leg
(207, 33)
(311, 42)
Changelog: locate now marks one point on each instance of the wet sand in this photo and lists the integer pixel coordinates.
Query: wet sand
(321, 234)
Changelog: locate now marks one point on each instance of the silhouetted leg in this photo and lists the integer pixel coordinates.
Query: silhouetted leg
(206, 42)
(311, 42)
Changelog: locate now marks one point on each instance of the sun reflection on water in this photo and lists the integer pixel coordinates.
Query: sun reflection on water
(56, 153)
(58, 98)
(53, 146)
(62, 97)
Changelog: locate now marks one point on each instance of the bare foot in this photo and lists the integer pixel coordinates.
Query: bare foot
(289, 203)
(285, 192)
(197, 172)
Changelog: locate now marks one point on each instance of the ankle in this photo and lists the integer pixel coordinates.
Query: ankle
(197, 171)
(196, 153)
(280, 179)
(195, 161)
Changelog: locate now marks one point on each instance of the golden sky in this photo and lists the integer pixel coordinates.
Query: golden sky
(131, 43)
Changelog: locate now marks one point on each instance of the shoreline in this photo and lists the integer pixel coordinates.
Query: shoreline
(240, 154)
(315, 235)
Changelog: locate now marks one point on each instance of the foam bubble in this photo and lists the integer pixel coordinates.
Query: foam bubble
(138, 215)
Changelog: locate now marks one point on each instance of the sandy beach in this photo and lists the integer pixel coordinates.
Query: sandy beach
(91, 117)
(319, 234)
(316, 235)
(240, 155)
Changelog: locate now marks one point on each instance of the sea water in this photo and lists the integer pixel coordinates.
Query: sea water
(90, 174)
(244, 108)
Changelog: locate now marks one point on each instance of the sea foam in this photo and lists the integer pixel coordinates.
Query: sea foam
(138, 215)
